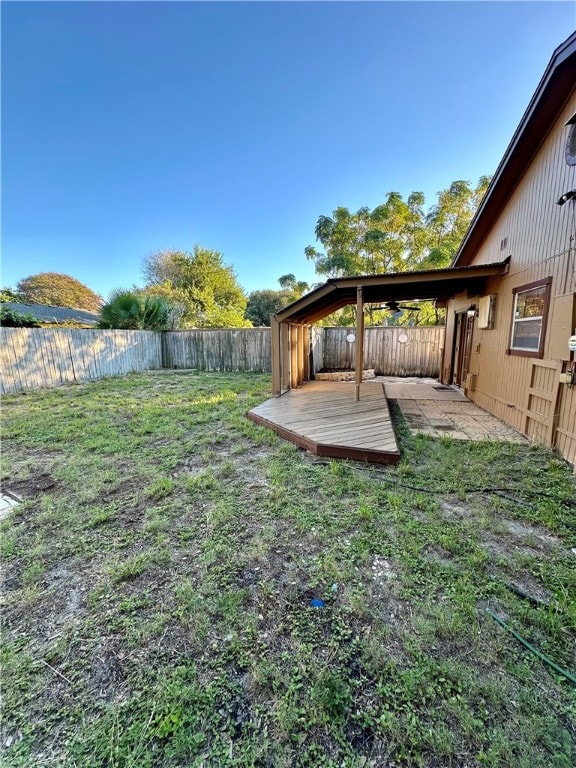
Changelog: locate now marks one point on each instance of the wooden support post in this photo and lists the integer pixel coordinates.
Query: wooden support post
(306, 345)
(285, 355)
(301, 354)
(359, 364)
(276, 359)
(293, 356)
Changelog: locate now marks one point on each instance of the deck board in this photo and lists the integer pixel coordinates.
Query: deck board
(324, 418)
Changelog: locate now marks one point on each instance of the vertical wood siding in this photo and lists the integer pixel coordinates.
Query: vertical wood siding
(383, 350)
(541, 243)
(49, 357)
(241, 349)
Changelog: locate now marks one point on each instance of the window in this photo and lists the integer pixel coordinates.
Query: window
(570, 151)
(529, 318)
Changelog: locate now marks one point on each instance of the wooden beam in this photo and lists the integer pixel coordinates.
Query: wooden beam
(276, 360)
(301, 354)
(359, 365)
(306, 344)
(293, 357)
(285, 355)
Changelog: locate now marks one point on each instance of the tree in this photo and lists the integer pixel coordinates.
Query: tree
(265, 303)
(10, 318)
(389, 238)
(58, 290)
(296, 288)
(199, 283)
(448, 220)
(396, 236)
(7, 294)
(129, 311)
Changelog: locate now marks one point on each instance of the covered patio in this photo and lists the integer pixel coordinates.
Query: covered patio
(348, 420)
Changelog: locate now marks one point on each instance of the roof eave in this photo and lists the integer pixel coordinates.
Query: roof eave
(427, 285)
(549, 98)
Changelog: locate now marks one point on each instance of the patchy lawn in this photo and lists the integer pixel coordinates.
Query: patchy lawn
(159, 575)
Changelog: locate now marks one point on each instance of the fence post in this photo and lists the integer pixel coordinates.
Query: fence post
(164, 350)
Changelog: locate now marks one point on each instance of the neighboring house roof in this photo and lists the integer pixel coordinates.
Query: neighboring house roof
(398, 286)
(45, 313)
(552, 93)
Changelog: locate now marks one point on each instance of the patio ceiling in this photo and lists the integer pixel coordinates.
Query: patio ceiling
(437, 284)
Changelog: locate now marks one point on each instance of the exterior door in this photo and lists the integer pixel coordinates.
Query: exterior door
(463, 348)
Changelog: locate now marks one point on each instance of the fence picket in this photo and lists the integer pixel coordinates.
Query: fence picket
(46, 357)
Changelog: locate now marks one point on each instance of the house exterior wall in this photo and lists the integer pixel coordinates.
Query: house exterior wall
(540, 239)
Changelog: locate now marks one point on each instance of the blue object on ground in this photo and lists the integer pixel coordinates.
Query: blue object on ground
(317, 603)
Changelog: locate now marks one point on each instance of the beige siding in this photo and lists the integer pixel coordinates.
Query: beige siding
(541, 242)
(538, 231)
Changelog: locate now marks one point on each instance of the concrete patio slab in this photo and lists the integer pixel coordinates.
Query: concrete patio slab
(7, 503)
(432, 409)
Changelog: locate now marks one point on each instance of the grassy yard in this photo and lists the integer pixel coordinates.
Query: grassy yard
(158, 581)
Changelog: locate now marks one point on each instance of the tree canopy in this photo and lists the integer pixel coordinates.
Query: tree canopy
(58, 290)
(265, 303)
(130, 311)
(200, 284)
(396, 236)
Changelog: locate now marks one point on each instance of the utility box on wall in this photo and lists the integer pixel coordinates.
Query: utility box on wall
(562, 324)
(486, 312)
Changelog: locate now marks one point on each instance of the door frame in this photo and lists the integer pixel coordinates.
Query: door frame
(462, 347)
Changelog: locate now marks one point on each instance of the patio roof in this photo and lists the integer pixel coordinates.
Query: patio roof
(436, 284)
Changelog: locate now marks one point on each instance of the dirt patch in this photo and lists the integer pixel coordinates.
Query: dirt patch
(32, 486)
(439, 555)
(106, 673)
(529, 533)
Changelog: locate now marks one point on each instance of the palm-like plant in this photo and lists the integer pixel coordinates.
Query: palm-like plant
(129, 311)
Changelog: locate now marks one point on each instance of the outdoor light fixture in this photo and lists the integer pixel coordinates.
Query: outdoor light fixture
(471, 311)
(566, 196)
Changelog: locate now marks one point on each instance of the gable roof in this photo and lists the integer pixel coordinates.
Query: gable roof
(552, 93)
(45, 313)
(398, 286)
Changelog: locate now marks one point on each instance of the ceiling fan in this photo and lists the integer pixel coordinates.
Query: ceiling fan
(395, 306)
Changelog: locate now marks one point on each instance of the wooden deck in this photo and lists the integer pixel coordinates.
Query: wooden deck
(323, 417)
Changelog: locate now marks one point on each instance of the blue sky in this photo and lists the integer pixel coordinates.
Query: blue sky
(132, 127)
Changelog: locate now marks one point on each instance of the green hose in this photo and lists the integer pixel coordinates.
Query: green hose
(535, 651)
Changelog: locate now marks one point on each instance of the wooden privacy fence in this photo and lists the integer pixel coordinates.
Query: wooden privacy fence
(234, 349)
(395, 351)
(47, 357)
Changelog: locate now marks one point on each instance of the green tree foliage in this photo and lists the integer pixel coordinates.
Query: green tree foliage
(296, 288)
(199, 283)
(7, 294)
(265, 303)
(130, 311)
(397, 236)
(59, 291)
(10, 318)
(448, 220)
